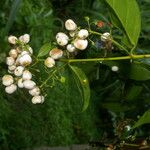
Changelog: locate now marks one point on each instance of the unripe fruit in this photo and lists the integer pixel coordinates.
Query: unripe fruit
(11, 89)
(37, 99)
(83, 33)
(12, 39)
(35, 91)
(20, 83)
(26, 75)
(56, 53)
(114, 68)
(62, 41)
(19, 71)
(29, 84)
(80, 44)
(70, 25)
(105, 37)
(12, 67)
(71, 48)
(7, 80)
(25, 60)
(13, 53)
(62, 35)
(25, 38)
(49, 62)
(10, 61)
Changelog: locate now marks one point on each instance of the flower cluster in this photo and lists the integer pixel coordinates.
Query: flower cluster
(76, 40)
(18, 60)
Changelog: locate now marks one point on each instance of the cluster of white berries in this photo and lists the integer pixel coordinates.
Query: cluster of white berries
(75, 41)
(18, 60)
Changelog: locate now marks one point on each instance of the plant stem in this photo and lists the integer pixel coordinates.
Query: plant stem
(106, 59)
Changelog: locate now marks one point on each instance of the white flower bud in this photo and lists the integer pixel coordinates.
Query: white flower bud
(7, 80)
(26, 75)
(13, 53)
(70, 25)
(37, 99)
(10, 61)
(71, 48)
(105, 36)
(12, 67)
(11, 89)
(25, 38)
(56, 53)
(12, 39)
(35, 91)
(19, 71)
(20, 83)
(49, 62)
(25, 60)
(72, 33)
(29, 84)
(62, 41)
(83, 33)
(30, 50)
(114, 68)
(62, 35)
(80, 44)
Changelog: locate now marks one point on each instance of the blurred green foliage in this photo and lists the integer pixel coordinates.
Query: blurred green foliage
(59, 121)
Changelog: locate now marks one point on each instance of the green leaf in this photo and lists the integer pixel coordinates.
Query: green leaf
(44, 49)
(128, 14)
(143, 120)
(139, 72)
(83, 85)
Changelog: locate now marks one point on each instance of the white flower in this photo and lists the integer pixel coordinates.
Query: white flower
(62, 35)
(37, 99)
(49, 62)
(29, 84)
(12, 39)
(19, 71)
(70, 25)
(105, 36)
(13, 53)
(7, 80)
(83, 33)
(25, 38)
(62, 41)
(35, 91)
(25, 60)
(26, 75)
(71, 48)
(56, 53)
(80, 44)
(20, 83)
(114, 68)
(10, 61)
(11, 89)
(12, 67)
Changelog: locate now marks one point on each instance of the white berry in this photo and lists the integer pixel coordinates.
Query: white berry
(71, 48)
(29, 84)
(37, 99)
(20, 83)
(115, 68)
(19, 71)
(49, 62)
(26, 75)
(7, 80)
(25, 38)
(10, 61)
(12, 39)
(80, 44)
(70, 25)
(25, 60)
(62, 35)
(56, 53)
(35, 91)
(13, 53)
(12, 67)
(83, 33)
(11, 89)
(105, 36)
